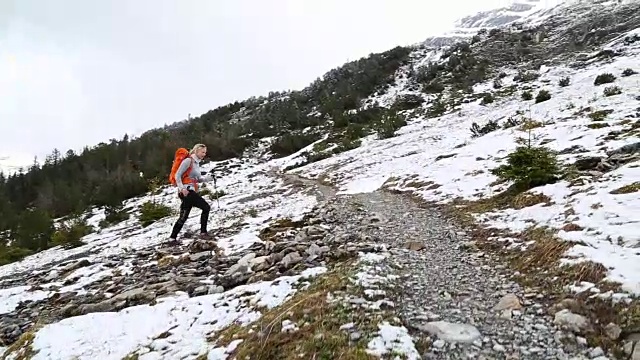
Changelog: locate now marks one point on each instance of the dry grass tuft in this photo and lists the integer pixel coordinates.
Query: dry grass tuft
(585, 271)
(21, 349)
(527, 199)
(627, 189)
(318, 320)
(545, 252)
(510, 198)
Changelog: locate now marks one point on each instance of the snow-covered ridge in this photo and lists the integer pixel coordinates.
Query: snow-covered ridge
(521, 14)
(516, 11)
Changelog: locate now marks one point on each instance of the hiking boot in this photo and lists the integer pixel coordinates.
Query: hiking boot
(206, 236)
(173, 242)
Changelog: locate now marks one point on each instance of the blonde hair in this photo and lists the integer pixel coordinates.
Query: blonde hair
(197, 147)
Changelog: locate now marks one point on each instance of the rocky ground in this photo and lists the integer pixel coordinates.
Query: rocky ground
(456, 301)
(460, 303)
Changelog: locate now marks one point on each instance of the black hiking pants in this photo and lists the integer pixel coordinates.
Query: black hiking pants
(193, 199)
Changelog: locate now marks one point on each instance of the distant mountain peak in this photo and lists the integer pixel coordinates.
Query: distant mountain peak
(469, 25)
(501, 16)
(9, 166)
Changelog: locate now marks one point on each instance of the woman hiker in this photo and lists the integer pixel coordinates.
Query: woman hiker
(186, 176)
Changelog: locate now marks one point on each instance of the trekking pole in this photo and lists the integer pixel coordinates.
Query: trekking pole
(215, 188)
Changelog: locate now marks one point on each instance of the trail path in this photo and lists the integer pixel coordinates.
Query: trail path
(458, 301)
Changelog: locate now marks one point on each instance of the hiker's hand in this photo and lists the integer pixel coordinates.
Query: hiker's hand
(184, 192)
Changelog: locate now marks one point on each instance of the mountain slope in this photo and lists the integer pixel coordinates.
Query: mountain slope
(587, 127)
(594, 127)
(517, 12)
(406, 125)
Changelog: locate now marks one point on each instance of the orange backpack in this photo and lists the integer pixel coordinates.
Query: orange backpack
(180, 155)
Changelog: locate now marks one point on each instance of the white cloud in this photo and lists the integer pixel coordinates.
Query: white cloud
(75, 72)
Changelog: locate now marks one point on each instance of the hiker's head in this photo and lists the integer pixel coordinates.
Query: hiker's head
(200, 150)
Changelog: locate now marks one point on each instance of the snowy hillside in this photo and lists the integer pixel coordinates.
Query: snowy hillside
(301, 263)
(519, 11)
(441, 154)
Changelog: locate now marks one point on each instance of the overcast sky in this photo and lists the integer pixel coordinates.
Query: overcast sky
(77, 72)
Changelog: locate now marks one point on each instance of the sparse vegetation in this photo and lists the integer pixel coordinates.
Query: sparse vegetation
(290, 143)
(565, 81)
(604, 79)
(543, 95)
(113, 215)
(252, 212)
(527, 95)
(151, 212)
(319, 321)
(22, 349)
(511, 122)
(408, 102)
(477, 131)
(540, 267)
(527, 199)
(433, 87)
(438, 108)
(629, 72)
(528, 167)
(388, 124)
(486, 99)
(526, 76)
(461, 70)
(528, 125)
(599, 115)
(69, 233)
(205, 191)
(597, 125)
(612, 90)
(9, 254)
(214, 195)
